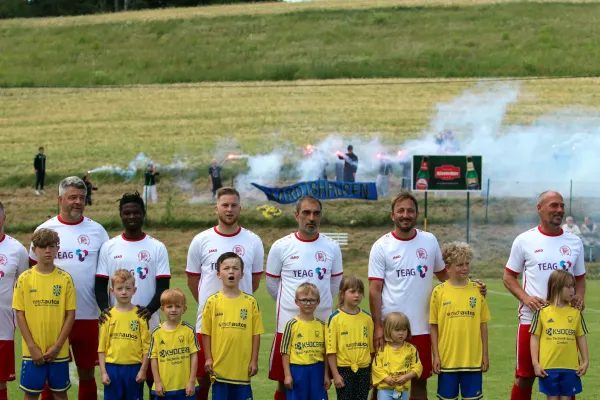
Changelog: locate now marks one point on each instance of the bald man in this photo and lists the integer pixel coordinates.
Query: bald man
(536, 253)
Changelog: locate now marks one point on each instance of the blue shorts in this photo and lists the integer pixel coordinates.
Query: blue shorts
(230, 391)
(122, 382)
(309, 381)
(469, 383)
(175, 395)
(560, 382)
(34, 377)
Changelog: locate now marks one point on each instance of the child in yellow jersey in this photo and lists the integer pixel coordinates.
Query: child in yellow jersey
(44, 301)
(398, 363)
(231, 329)
(174, 351)
(350, 342)
(303, 349)
(123, 345)
(557, 331)
(459, 335)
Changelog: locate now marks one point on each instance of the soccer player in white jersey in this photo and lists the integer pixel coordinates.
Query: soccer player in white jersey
(13, 262)
(80, 242)
(144, 256)
(302, 256)
(203, 253)
(535, 254)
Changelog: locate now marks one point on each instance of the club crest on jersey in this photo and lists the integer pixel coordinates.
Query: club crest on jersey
(142, 272)
(83, 239)
(134, 325)
(239, 250)
(407, 362)
(472, 302)
(81, 254)
(1, 275)
(422, 270)
(143, 256)
(180, 338)
(317, 333)
(565, 265)
(3, 260)
(421, 253)
(365, 331)
(243, 313)
(320, 256)
(565, 250)
(321, 272)
(570, 319)
(56, 290)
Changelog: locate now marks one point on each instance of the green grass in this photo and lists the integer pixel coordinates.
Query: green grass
(518, 39)
(497, 382)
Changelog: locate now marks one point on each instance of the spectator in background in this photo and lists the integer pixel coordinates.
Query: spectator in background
(350, 164)
(89, 187)
(150, 178)
(383, 178)
(571, 227)
(39, 164)
(590, 235)
(214, 176)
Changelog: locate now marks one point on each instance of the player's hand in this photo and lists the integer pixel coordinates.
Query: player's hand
(327, 382)
(482, 287)
(105, 379)
(103, 317)
(288, 382)
(388, 380)
(208, 366)
(485, 364)
(51, 353)
(141, 376)
(539, 371)
(534, 303)
(338, 381)
(437, 365)
(582, 369)
(36, 355)
(577, 302)
(159, 389)
(378, 337)
(143, 312)
(190, 389)
(403, 379)
(252, 368)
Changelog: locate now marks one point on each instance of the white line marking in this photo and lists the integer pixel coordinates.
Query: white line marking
(510, 295)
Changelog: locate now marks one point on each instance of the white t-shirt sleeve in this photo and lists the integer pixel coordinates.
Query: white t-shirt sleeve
(274, 262)
(579, 268)
(516, 261)
(337, 268)
(376, 263)
(439, 264)
(102, 267)
(163, 269)
(105, 237)
(194, 258)
(259, 257)
(32, 255)
(23, 261)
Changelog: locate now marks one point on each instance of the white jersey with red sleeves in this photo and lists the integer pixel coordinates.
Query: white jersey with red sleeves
(80, 244)
(536, 254)
(13, 262)
(407, 268)
(147, 259)
(296, 261)
(204, 252)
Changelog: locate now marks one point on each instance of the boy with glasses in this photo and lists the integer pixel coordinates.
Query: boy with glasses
(303, 349)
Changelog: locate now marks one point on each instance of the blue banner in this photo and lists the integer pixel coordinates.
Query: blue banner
(323, 190)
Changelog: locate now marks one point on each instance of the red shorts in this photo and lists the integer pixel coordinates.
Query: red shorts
(524, 364)
(7, 355)
(423, 345)
(275, 363)
(84, 342)
(200, 372)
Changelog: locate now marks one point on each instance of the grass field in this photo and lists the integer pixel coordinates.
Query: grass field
(508, 39)
(497, 382)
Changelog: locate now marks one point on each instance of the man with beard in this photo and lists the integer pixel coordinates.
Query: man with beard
(203, 253)
(302, 256)
(536, 253)
(80, 242)
(144, 256)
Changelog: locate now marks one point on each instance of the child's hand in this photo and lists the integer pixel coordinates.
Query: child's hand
(539, 371)
(159, 389)
(252, 368)
(437, 365)
(582, 369)
(105, 379)
(485, 364)
(36, 355)
(51, 353)
(208, 366)
(190, 389)
(141, 376)
(338, 381)
(403, 379)
(327, 382)
(288, 382)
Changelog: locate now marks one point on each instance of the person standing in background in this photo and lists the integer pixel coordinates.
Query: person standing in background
(350, 164)
(383, 178)
(89, 187)
(214, 176)
(39, 164)
(150, 178)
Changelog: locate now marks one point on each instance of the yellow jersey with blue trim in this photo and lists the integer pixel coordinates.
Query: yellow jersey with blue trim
(231, 324)
(350, 338)
(395, 363)
(459, 311)
(558, 328)
(304, 341)
(173, 349)
(45, 299)
(124, 337)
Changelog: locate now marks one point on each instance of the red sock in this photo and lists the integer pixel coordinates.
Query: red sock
(87, 390)
(4, 394)
(202, 394)
(47, 393)
(519, 393)
(279, 395)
